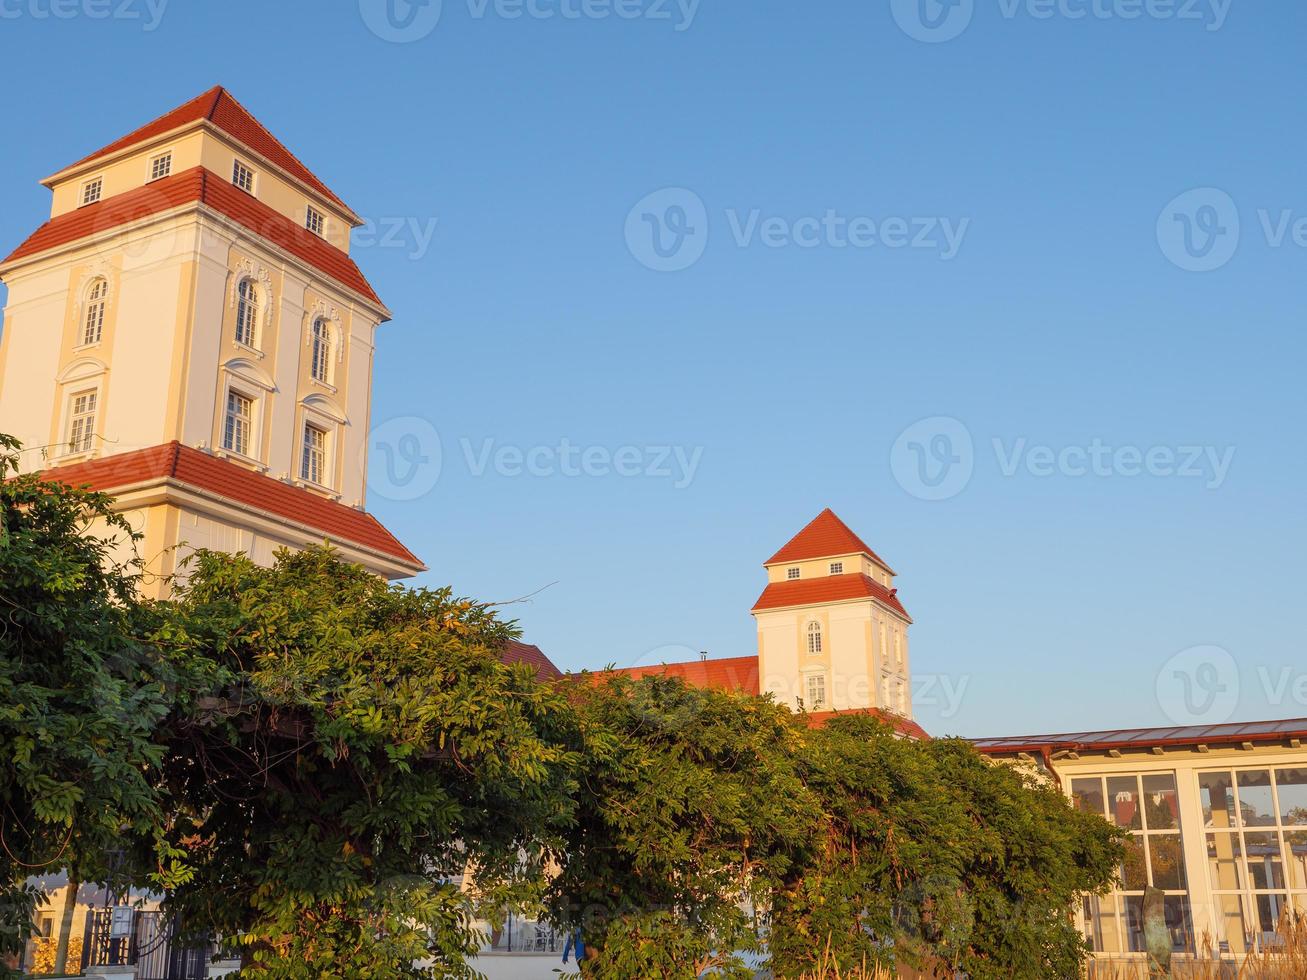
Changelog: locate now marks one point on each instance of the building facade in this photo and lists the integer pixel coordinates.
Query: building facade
(189, 332)
(1217, 822)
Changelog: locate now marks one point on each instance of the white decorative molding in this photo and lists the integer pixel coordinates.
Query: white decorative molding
(322, 310)
(99, 269)
(82, 369)
(325, 407)
(249, 269)
(247, 370)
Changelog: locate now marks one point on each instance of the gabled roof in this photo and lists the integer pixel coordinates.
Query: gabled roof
(218, 107)
(826, 537)
(517, 652)
(198, 185)
(191, 468)
(828, 588)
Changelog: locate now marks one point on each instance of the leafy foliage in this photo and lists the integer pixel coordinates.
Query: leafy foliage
(352, 748)
(689, 807)
(80, 694)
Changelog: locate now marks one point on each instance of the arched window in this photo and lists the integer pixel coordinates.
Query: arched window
(814, 637)
(93, 325)
(247, 312)
(321, 350)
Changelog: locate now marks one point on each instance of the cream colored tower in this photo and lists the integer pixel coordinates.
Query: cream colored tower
(189, 332)
(832, 634)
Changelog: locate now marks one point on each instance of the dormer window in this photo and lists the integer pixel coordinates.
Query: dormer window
(315, 221)
(243, 177)
(92, 191)
(161, 166)
(791, 573)
(837, 568)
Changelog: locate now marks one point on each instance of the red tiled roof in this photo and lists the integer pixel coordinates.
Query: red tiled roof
(202, 186)
(741, 674)
(219, 107)
(825, 537)
(199, 470)
(904, 726)
(829, 588)
(517, 652)
(727, 674)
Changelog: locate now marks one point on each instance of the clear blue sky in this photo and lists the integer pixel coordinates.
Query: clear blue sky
(1055, 145)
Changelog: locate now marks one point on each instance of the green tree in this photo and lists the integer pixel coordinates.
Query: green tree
(80, 694)
(351, 749)
(689, 808)
(934, 854)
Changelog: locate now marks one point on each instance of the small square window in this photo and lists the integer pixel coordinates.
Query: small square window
(837, 568)
(161, 166)
(315, 221)
(92, 191)
(791, 573)
(243, 177)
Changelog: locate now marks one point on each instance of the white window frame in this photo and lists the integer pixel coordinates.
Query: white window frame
(813, 631)
(79, 437)
(791, 574)
(256, 300)
(837, 568)
(315, 221)
(83, 195)
(324, 465)
(163, 156)
(251, 449)
(96, 303)
(810, 700)
(240, 167)
(329, 339)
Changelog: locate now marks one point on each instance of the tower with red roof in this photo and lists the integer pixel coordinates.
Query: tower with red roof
(189, 332)
(832, 633)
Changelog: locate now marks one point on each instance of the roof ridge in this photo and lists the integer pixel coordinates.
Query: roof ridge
(272, 136)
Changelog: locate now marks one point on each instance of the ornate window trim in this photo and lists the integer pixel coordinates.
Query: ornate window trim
(266, 318)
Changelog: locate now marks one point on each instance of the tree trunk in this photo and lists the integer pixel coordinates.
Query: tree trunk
(66, 926)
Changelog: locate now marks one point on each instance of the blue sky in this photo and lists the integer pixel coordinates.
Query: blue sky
(897, 239)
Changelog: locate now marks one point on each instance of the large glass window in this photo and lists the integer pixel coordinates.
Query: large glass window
(1256, 858)
(1148, 806)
